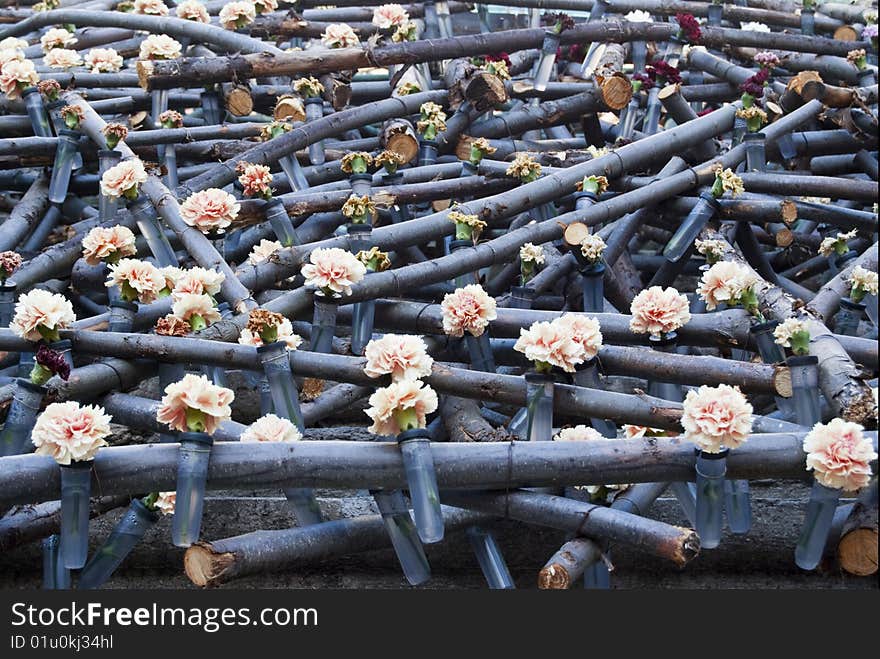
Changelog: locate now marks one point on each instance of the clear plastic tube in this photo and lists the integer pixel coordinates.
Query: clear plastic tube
(76, 487)
(817, 524)
(805, 389)
(121, 316)
(593, 288)
(323, 323)
(466, 278)
(404, 536)
(279, 220)
(16, 434)
(36, 111)
(521, 297)
(628, 119)
(703, 211)
(848, 318)
(870, 309)
(285, 397)
(739, 131)
(480, 351)
(427, 152)
(639, 56)
(128, 532)
(597, 576)
(715, 12)
(665, 390)
(107, 205)
(548, 59)
(294, 172)
(738, 506)
(192, 475)
(711, 468)
(685, 493)
(539, 407)
(362, 319)
(771, 353)
(756, 157)
(587, 375)
(785, 144)
(361, 184)
(170, 161)
(151, 229)
(418, 463)
(808, 22)
(651, 122)
(7, 302)
(68, 142)
(490, 559)
(55, 575)
(211, 108)
(597, 12)
(158, 104)
(314, 111)
(304, 504)
(444, 20)
(468, 169)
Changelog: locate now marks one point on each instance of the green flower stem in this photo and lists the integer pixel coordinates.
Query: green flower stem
(50, 335)
(463, 231)
(195, 420)
(40, 374)
(196, 322)
(407, 419)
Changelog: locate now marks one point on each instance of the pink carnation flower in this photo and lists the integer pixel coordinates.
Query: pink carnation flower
(15, 75)
(724, 283)
(57, 37)
(68, 432)
(263, 251)
(549, 344)
(41, 309)
(469, 309)
(194, 309)
(192, 10)
(256, 181)
(401, 406)
(108, 244)
(237, 14)
(159, 46)
(150, 7)
(198, 281)
(839, 455)
(402, 356)
(62, 58)
(584, 331)
(209, 210)
(271, 428)
(333, 270)
(658, 311)
(715, 418)
(103, 60)
(577, 434)
(339, 35)
(136, 279)
(387, 16)
(195, 403)
(166, 502)
(123, 179)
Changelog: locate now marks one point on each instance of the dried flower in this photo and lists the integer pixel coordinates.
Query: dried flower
(356, 162)
(48, 362)
(858, 58)
(263, 251)
(658, 311)
(235, 15)
(108, 244)
(358, 209)
(171, 325)
(584, 331)
(308, 87)
(480, 148)
(195, 404)
(839, 455)
(837, 244)
(9, 263)
(68, 432)
(15, 76)
(401, 406)
(197, 310)
(192, 10)
(273, 129)
(388, 16)
(592, 248)
(713, 250)
(171, 119)
(595, 184)
(524, 168)
(265, 6)
(50, 89)
(549, 344)
(339, 35)
(374, 260)
(402, 356)
(122, 180)
(56, 37)
(729, 283)
(560, 21)
(408, 31)
(159, 46)
(688, 27)
(863, 282)
(715, 418)
(40, 314)
(72, 115)
(271, 428)
(766, 60)
(755, 117)
(209, 210)
(264, 324)
(277, 330)
(407, 88)
(114, 134)
(390, 160)
(467, 226)
(333, 271)
(726, 181)
(255, 179)
(498, 67)
(103, 60)
(433, 120)
(793, 333)
(137, 280)
(469, 309)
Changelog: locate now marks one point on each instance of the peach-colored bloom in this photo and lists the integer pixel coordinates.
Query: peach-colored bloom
(198, 281)
(256, 180)
(209, 210)
(658, 311)
(403, 356)
(284, 329)
(136, 279)
(400, 406)
(108, 243)
(469, 308)
(150, 7)
(715, 418)
(577, 434)
(192, 10)
(57, 37)
(724, 283)
(584, 331)
(171, 274)
(386, 16)
(104, 60)
(265, 6)
(123, 179)
(41, 309)
(15, 76)
(263, 251)
(635, 432)
(13, 43)
(188, 306)
(68, 432)
(550, 343)
(159, 46)
(209, 402)
(339, 35)
(165, 502)
(839, 455)
(333, 270)
(271, 428)
(11, 55)
(237, 14)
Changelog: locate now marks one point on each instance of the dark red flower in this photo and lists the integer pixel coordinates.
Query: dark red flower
(663, 73)
(560, 20)
(646, 80)
(754, 86)
(498, 57)
(53, 361)
(689, 26)
(704, 112)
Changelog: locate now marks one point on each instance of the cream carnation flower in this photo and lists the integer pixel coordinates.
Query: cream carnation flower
(549, 344)
(159, 46)
(339, 35)
(839, 455)
(592, 247)
(68, 432)
(108, 244)
(754, 26)
(284, 329)
(724, 283)
(713, 250)
(166, 502)
(387, 16)
(531, 253)
(39, 310)
(136, 279)
(469, 309)
(263, 251)
(57, 37)
(863, 282)
(635, 432)
(150, 7)
(639, 16)
(237, 14)
(11, 55)
(333, 270)
(172, 274)
(198, 310)
(401, 406)
(577, 434)
(195, 403)
(192, 10)
(199, 281)
(402, 356)
(787, 329)
(265, 6)
(123, 179)
(271, 428)
(658, 311)
(256, 180)
(715, 418)
(13, 43)
(209, 210)
(15, 76)
(104, 60)
(584, 331)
